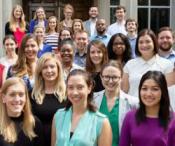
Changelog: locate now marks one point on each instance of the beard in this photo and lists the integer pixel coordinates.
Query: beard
(168, 48)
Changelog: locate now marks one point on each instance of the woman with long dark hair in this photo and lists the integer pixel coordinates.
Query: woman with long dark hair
(150, 123)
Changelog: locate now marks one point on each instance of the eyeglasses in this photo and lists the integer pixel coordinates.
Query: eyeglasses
(113, 78)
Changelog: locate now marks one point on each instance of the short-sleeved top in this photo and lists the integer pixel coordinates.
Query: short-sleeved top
(113, 117)
(147, 133)
(135, 68)
(86, 133)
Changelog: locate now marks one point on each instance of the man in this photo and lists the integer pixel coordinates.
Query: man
(81, 40)
(89, 25)
(101, 32)
(119, 25)
(165, 42)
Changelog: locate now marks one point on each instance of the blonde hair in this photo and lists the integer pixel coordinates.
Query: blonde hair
(22, 66)
(38, 90)
(7, 126)
(48, 28)
(69, 6)
(22, 23)
(35, 15)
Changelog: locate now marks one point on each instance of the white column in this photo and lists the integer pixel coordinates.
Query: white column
(104, 10)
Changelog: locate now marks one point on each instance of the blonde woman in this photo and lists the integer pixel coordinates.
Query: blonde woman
(17, 25)
(77, 25)
(39, 18)
(17, 124)
(67, 22)
(49, 92)
(26, 62)
(39, 32)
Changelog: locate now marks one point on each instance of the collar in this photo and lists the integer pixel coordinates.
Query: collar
(150, 61)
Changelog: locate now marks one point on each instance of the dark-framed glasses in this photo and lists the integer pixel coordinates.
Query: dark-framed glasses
(113, 78)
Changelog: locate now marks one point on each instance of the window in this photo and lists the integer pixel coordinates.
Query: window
(113, 5)
(153, 14)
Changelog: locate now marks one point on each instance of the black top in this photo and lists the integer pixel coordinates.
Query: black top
(8, 31)
(22, 139)
(45, 113)
(98, 83)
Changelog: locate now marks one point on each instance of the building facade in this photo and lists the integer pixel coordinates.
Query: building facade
(148, 13)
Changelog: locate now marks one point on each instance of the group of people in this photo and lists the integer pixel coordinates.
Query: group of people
(85, 84)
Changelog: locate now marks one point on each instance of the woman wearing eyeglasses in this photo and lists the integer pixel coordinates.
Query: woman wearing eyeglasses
(113, 102)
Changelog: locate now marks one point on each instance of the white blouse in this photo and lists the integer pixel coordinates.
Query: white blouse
(135, 68)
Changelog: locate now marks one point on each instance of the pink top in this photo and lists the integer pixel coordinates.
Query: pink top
(18, 34)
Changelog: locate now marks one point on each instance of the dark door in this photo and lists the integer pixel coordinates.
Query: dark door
(55, 7)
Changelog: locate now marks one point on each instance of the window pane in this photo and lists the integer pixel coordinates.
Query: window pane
(142, 18)
(160, 2)
(114, 2)
(159, 18)
(112, 15)
(142, 2)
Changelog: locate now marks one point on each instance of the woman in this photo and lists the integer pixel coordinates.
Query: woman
(52, 36)
(39, 18)
(67, 22)
(67, 48)
(64, 34)
(39, 32)
(17, 25)
(112, 101)
(48, 92)
(11, 57)
(26, 63)
(77, 25)
(146, 50)
(96, 57)
(119, 48)
(18, 125)
(149, 125)
(79, 123)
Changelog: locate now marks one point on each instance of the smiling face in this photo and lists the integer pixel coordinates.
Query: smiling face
(111, 78)
(50, 71)
(39, 33)
(165, 40)
(96, 55)
(10, 46)
(77, 26)
(120, 14)
(52, 23)
(131, 26)
(78, 90)
(65, 34)
(15, 99)
(118, 46)
(150, 93)
(31, 49)
(40, 13)
(67, 53)
(17, 13)
(93, 12)
(146, 46)
(81, 40)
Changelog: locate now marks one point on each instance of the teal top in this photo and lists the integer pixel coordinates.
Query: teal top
(86, 132)
(113, 116)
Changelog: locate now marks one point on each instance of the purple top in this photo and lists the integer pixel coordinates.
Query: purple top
(171, 134)
(148, 133)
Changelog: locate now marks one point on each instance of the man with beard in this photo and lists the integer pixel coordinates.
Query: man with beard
(101, 32)
(165, 42)
(89, 25)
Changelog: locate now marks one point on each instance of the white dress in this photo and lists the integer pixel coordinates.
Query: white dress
(135, 68)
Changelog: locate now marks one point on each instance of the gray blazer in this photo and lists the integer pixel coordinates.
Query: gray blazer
(126, 103)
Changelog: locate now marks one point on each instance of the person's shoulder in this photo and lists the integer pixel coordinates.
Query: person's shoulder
(131, 114)
(100, 115)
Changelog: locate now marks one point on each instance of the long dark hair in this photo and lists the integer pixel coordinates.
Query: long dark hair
(164, 110)
(91, 107)
(127, 55)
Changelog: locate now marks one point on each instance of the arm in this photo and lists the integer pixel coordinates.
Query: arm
(105, 138)
(53, 134)
(125, 83)
(170, 78)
